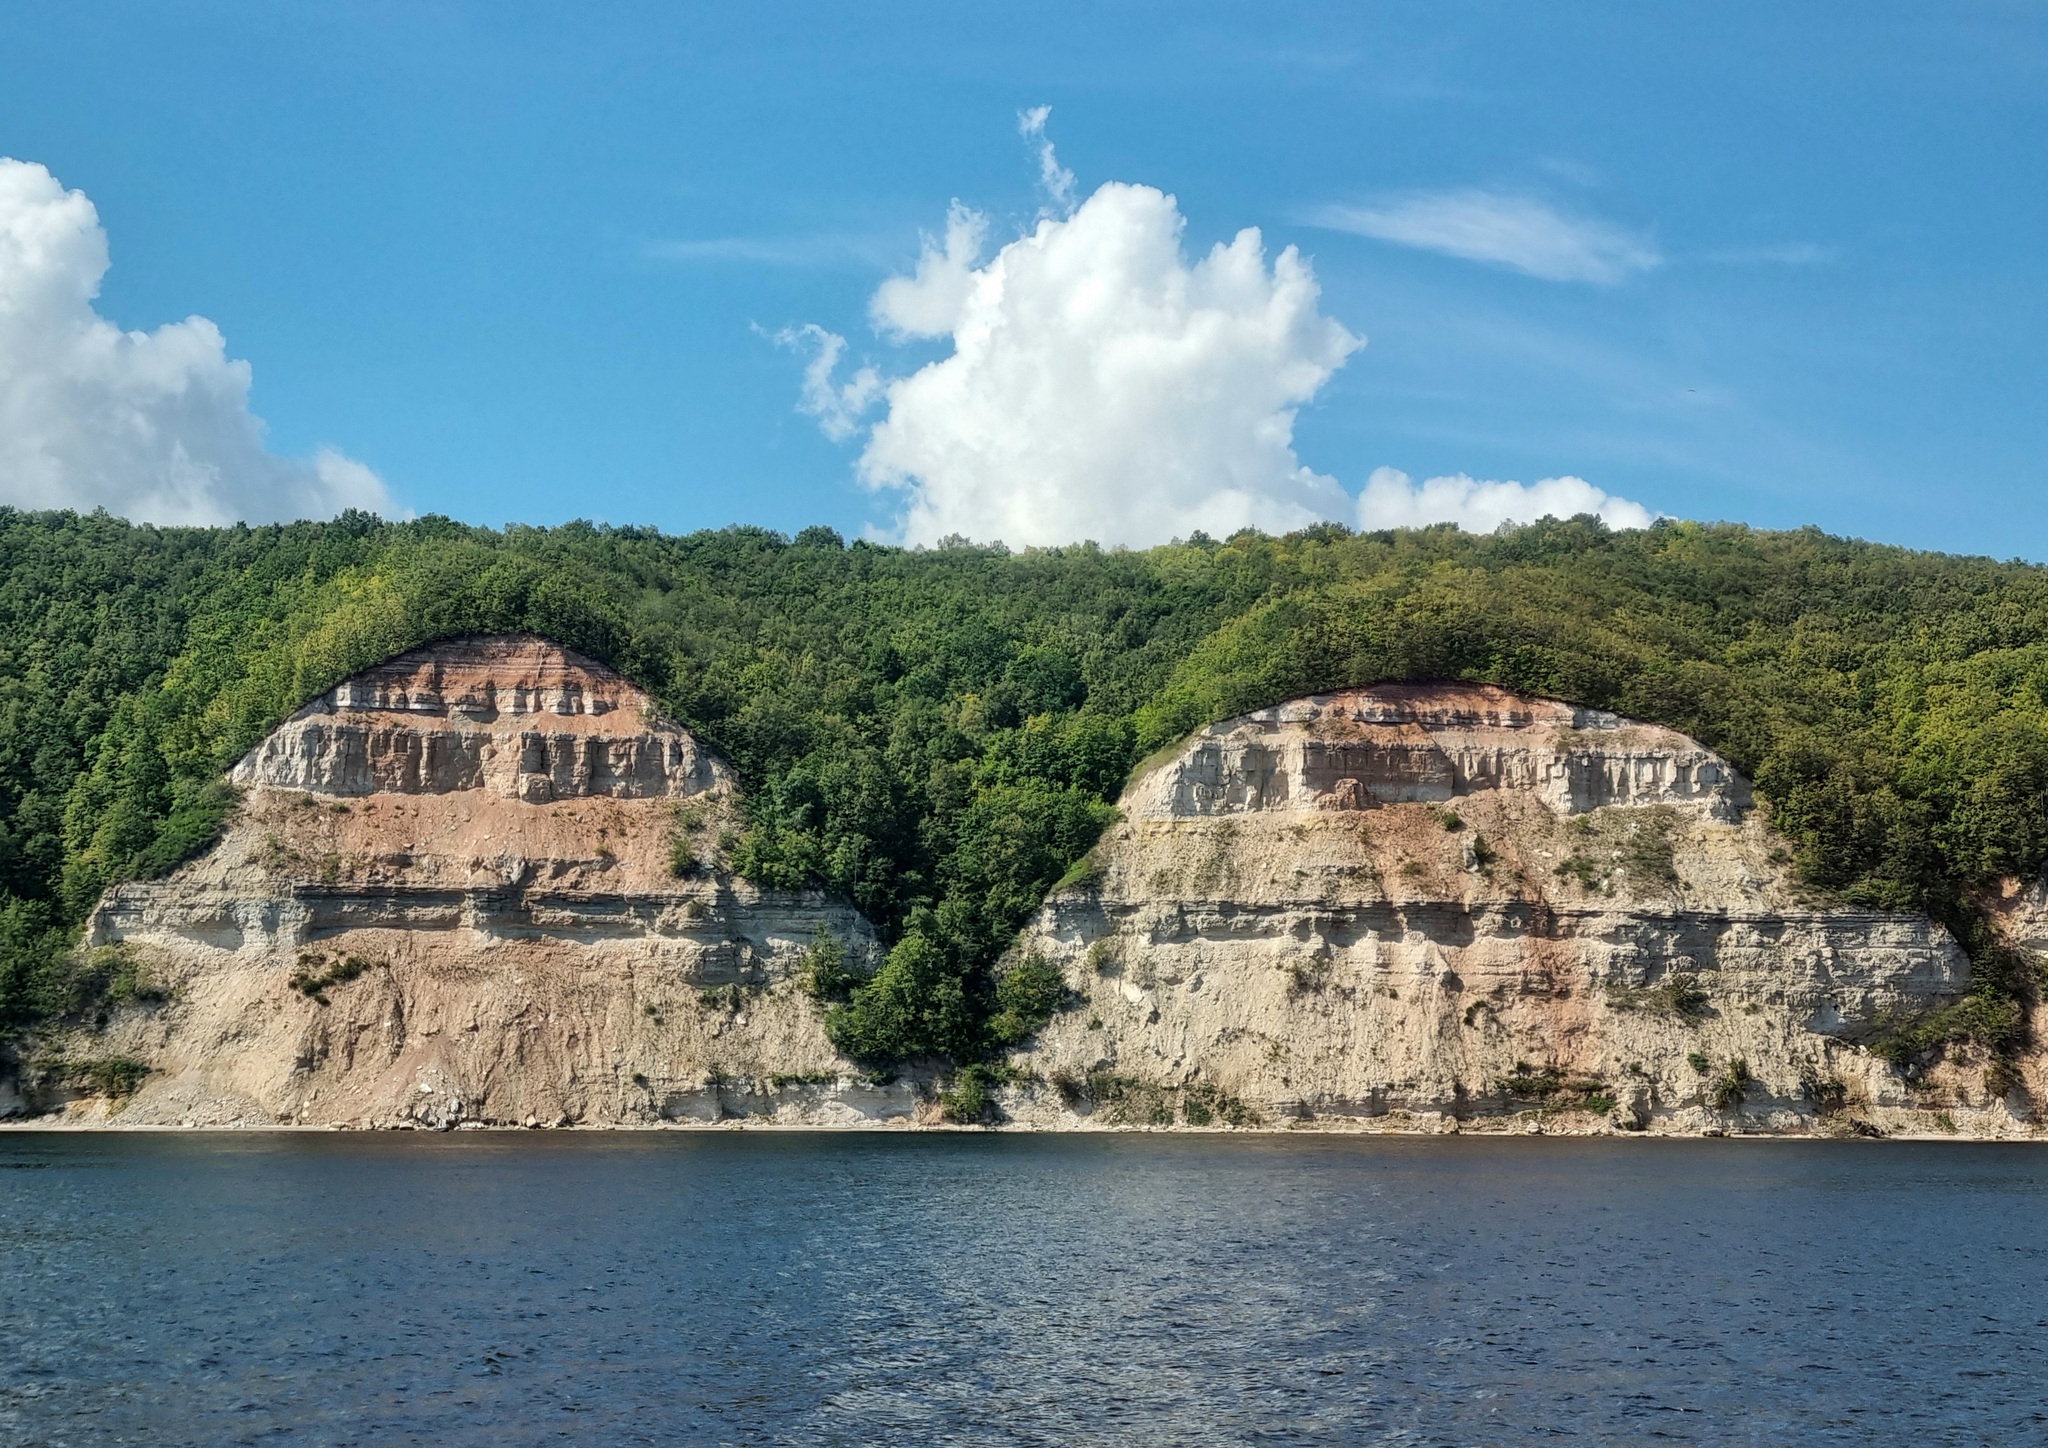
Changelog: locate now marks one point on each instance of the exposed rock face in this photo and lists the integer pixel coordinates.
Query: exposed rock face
(515, 717)
(451, 895)
(465, 859)
(1407, 745)
(1426, 905)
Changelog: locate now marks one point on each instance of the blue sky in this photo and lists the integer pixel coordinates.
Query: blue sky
(528, 265)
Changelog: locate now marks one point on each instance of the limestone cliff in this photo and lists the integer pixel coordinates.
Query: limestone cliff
(1423, 906)
(482, 882)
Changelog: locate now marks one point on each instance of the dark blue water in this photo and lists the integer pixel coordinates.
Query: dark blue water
(621, 1289)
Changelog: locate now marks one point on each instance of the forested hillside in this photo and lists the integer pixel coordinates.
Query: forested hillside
(940, 734)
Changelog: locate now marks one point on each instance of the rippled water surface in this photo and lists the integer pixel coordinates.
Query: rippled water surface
(673, 1288)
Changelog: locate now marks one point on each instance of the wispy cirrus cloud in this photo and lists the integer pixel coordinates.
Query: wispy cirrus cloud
(1784, 253)
(1522, 233)
(1057, 180)
(823, 251)
(838, 406)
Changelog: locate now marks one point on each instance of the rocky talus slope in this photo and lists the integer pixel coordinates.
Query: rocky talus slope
(1448, 907)
(480, 883)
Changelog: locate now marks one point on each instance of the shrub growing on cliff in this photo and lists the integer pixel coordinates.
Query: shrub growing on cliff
(313, 981)
(112, 1076)
(1202, 1103)
(823, 974)
(1554, 1089)
(1829, 1094)
(916, 1005)
(684, 826)
(1679, 995)
(1732, 1088)
(1590, 876)
(1027, 994)
(966, 1102)
(1999, 1025)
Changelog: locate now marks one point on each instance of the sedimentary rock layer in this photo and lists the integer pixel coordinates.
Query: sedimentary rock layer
(481, 883)
(1427, 905)
(515, 717)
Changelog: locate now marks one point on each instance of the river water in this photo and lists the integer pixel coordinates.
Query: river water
(672, 1288)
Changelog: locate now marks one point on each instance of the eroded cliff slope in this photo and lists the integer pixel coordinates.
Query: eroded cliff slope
(1427, 905)
(480, 883)
(484, 883)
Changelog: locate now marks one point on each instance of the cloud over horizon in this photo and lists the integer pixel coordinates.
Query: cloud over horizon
(1392, 500)
(1521, 233)
(153, 426)
(1101, 386)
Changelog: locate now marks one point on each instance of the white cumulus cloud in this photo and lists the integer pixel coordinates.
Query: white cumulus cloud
(1519, 232)
(928, 302)
(1098, 384)
(1392, 500)
(1102, 386)
(150, 425)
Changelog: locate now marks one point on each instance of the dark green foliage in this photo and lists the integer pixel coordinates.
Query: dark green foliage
(916, 1005)
(1647, 855)
(823, 974)
(80, 987)
(966, 1102)
(1555, 1090)
(1679, 995)
(1084, 874)
(314, 975)
(115, 1076)
(1589, 875)
(730, 998)
(1126, 1100)
(1993, 1016)
(682, 843)
(1132, 1101)
(1732, 1089)
(1205, 1104)
(114, 975)
(938, 735)
(1027, 994)
(1992, 1022)
(1827, 1093)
